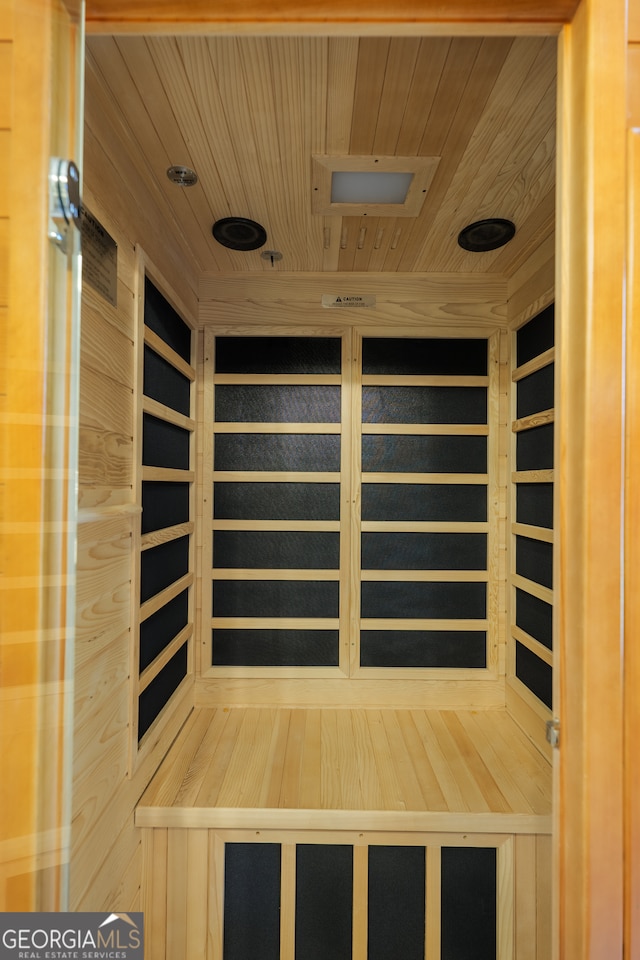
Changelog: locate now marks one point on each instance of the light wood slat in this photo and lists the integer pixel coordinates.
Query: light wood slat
(505, 898)
(383, 380)
(423, 624)
(427, 429)
(433, 905)
(360, 901)
(159, 346)
(472, 478)
(424, 526)
(154, 668)
(279, 379)
(535, 420)
(532, 476)
(535, 589)
(156, 537)
(532, 644)
(425, 576)
(155, 603)
(532, 366)
(245, 573)
(288, 902)
(168, 474)
(412, 761)
(299, 525)
(272, 476)
(163, 412)
(305, 428)
(274, 623)
(198, 880)
(534, 533)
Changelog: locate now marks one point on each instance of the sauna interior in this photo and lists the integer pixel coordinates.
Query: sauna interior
(315, 589)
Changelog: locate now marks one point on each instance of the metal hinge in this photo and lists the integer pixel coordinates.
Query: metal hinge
(553, 732)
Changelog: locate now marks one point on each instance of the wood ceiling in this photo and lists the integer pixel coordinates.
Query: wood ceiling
(249, 113)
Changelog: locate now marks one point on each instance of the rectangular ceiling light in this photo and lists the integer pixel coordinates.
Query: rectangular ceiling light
(351, 186)
(367, 187)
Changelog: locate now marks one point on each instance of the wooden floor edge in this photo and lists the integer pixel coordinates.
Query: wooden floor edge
(235, 818)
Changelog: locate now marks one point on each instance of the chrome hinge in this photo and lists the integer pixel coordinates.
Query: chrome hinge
(553, 732)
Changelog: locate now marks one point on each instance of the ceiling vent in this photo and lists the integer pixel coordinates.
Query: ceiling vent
(236, 233)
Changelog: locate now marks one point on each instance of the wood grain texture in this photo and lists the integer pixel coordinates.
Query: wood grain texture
(265, 760)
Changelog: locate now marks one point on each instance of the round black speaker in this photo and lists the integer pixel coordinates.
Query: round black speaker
(484, 235)
(237, 233)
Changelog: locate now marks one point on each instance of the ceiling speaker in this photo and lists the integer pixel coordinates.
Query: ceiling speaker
(486, 235)
(236, 233)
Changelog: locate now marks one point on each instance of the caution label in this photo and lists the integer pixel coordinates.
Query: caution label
(338, 302)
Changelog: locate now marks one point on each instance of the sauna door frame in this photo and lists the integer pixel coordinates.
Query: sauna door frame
(588, 811)
(588, 807)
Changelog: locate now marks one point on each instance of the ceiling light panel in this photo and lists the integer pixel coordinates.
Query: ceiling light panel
(353, 186)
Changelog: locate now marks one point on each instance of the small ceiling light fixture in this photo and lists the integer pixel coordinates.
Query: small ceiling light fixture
(360, 186)
(182, 176)
(484, 235)
(237, 233)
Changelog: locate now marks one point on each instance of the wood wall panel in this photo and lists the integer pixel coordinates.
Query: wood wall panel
(106, 851)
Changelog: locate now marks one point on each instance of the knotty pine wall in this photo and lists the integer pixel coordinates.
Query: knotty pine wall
(106, 853)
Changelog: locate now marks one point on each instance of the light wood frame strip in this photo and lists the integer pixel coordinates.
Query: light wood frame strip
(302, 526)
(156, 537)
(423, 380)
(168, 474)
(273, 476)
(158, 601)
(532, 644)
(427, 429)
(425, 526)
(276, 623)
(159, 410)
(385, 623)
(158, 345)
(545, 534)
(263, 427)
(360, 901)
(532, 476)
(477, 479)
(275, 573)
(533, 588)
(433, 904)
(533, 365)
(288, 901)
(154, 668)
(275, 379)
(533, 420)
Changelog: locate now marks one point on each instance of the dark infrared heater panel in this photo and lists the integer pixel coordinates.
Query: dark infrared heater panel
(534, 560)
(164, 444)
(276, 403)
(535, 392)
(158, 630)
(164, 504)
(324, 901)
(424, 600)
(276, 501)
(286, 452)
(160, 317)
(275, 549)
(162, 382)
(423, 648)
(273, 355)
(413, 356)
(252, 901)
(275, 648)
(162, 565)
(534, 448)
(424, 404)
(468, 908)
(534, 504)
(535, 617)
(424, 501)
(536, 337)
(424, 551)
(275, 598)
(418, 454)
(154, 697)
(396, 903)
(535, 674)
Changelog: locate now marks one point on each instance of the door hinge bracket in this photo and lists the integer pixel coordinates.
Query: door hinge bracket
(553, 732)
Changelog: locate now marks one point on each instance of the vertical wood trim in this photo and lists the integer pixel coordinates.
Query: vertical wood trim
(154, 890)
(177, 885)
(360, 901)
(591, 242)
(496, 506)
(632, 562)
(505, 899)
(543, 898)
(353, 491)
(433, 906)
(197, 891)
(206, 427)
(288, 902)
(526, 945)
(215, 938)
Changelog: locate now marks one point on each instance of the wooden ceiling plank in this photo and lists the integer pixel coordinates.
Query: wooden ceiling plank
(154, 77)
(372, 60)
(535, 229)
(126, 151)
(481, 79)
(497, 131)
(401, 64)
(425, 82)
(300, 103)
(342, 70)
